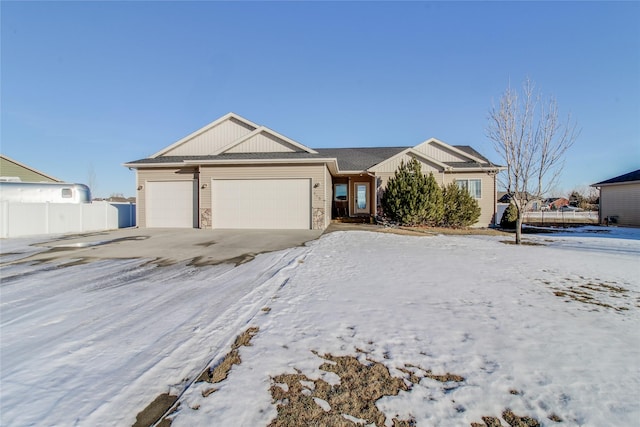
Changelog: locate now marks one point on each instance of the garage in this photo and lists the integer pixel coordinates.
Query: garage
(170, 204)
(261, 203)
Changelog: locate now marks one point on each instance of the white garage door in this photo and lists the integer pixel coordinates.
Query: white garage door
(170, 204)
(261, 203)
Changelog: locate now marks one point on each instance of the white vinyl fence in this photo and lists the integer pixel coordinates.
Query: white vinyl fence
(30, 219)
(561, 217)
(552, 217)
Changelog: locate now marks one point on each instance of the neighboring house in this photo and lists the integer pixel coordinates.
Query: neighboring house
(13, 170)
(620, 199)
(234, 173)
(532, 203)
(555, 203)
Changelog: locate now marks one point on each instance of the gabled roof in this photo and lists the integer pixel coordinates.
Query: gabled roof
(361, 158)
(627, 177)
(471, 155)
(30, 172)
(230, 148)
(255, 130)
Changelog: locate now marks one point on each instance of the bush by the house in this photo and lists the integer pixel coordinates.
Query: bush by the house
(460, 208)
(509, 217)
(434, 209)
(413, 198)
(405, 199)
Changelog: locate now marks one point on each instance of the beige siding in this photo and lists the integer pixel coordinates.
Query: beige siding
(212, 139)
(623, 201)
(167, 174)
(317, 172)
(263, 143)
(488, 200)
(390, 166)
(439, 153)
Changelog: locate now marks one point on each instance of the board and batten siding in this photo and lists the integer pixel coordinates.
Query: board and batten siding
(439, 153)
(157, 174)
(316, 172)
(622, 201)
(389, 167)
(263, 143)
(212, 139)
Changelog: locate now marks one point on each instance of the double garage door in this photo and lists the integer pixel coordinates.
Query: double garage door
(236, 203)
(261, 203)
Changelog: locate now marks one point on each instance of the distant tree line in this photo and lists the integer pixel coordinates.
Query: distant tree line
(414, 198)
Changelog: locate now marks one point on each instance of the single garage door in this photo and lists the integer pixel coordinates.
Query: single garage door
(170, 204)
(261, 203)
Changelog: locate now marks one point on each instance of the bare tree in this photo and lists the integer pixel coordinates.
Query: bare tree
(91, 179)
(531, 139)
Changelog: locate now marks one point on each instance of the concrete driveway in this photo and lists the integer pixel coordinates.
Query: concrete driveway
(170, 246)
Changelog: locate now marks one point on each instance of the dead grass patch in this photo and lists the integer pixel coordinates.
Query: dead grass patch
(156, 409)
(220, 371)
(163, 403)
(457, 231)
(512, 420)
(522, 243)
(304, 401)
(609, 295)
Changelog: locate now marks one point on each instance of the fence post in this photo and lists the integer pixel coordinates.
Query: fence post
(46, 217)
(4, 226)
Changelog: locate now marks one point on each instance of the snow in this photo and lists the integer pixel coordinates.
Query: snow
(93, 344)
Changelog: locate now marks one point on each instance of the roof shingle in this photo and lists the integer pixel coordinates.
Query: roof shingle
(627, 177)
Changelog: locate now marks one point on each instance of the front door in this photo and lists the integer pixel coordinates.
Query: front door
(362, 197)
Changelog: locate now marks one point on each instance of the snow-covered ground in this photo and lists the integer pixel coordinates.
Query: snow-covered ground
(542, 330)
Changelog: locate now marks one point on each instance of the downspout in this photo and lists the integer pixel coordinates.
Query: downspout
(198, 216)
(495, 200)
(374, 206)
(350, 189)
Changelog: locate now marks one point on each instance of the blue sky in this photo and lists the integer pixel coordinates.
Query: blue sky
(88, 86)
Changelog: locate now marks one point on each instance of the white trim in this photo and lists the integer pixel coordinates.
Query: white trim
(204, 129)
(154, 165)
(332, 163)
(615, 183)
(478, 169)
(258, 131)
(424, 157)
(468, 187)
(367, 198)
(452, 148)
(411, 151)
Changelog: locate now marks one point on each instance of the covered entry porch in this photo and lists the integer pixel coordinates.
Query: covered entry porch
(354, 196)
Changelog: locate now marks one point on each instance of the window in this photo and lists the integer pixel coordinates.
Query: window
(67, 193)
(473, 186)
(340, 193)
